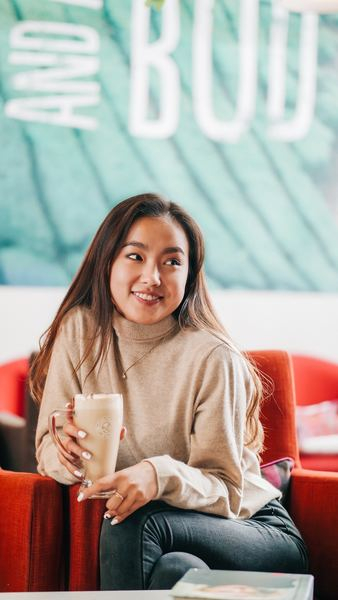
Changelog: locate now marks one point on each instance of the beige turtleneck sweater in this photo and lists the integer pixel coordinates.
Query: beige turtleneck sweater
(184, 409)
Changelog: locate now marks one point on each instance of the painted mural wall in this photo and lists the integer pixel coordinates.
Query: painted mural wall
(228, 107)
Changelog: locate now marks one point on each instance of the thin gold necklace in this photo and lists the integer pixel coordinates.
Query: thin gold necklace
(118, 354)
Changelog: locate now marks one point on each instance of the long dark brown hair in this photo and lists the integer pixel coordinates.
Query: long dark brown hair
(91, 288)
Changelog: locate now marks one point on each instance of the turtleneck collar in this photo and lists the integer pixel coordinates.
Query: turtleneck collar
(136, 331)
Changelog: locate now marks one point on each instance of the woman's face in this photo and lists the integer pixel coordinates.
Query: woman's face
(148, 276)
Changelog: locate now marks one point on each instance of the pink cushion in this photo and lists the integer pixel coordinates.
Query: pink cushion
(278, 473)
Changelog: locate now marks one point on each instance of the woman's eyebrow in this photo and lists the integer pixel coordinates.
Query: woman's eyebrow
(134, 243)
(172, 249)
(169, 250)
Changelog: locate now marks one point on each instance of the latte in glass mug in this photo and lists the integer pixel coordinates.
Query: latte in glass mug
(101, 417)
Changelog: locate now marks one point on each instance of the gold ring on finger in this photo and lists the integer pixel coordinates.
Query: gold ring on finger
(116, 493)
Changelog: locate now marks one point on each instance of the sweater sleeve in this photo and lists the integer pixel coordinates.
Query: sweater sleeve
(61, 385)
(212, 480)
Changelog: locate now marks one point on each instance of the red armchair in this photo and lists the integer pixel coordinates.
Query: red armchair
(316, 381)
(313, 496)
(313, 501)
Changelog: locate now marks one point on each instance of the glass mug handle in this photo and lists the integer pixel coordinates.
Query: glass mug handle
(53, 430)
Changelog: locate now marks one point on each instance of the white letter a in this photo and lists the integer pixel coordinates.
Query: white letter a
(54, 110)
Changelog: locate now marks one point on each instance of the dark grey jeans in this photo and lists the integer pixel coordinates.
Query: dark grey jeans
(157, 544)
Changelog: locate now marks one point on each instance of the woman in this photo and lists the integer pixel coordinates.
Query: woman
(187, 491)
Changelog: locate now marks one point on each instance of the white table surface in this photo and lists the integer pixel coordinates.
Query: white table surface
(94, 595)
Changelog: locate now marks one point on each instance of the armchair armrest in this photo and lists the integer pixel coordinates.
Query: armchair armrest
(313, 504)
(31, 525)
(85, 520)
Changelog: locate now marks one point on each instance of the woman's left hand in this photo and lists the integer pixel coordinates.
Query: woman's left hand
(133, 487)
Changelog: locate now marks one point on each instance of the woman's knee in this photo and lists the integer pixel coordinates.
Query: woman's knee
(171, 567)
(144, 532)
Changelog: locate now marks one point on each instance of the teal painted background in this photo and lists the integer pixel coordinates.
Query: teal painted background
(268, 209)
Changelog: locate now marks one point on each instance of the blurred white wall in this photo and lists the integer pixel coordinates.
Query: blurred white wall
(299, 322)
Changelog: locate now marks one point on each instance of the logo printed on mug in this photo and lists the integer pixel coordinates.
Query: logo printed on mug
(104, 426)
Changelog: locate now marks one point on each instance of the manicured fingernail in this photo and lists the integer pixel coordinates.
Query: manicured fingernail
(80, 497)
(81, 434)
(107, 515)
(114, 521)
(78, 474)
(86, 455)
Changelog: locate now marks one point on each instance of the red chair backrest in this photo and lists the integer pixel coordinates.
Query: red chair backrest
(12, 386)
(278, 408)
(316, 380)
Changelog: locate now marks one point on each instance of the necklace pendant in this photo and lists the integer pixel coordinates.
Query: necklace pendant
(124, 372)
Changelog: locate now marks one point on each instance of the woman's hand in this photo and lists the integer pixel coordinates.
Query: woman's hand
(133, 487)
(76, 453)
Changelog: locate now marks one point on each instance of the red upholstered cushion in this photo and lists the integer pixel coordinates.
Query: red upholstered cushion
(12, 386)
(31, 526)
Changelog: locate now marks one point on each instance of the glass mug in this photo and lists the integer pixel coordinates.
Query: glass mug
(101, 417)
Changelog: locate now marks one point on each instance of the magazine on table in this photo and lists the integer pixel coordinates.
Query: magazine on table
(210, 584)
